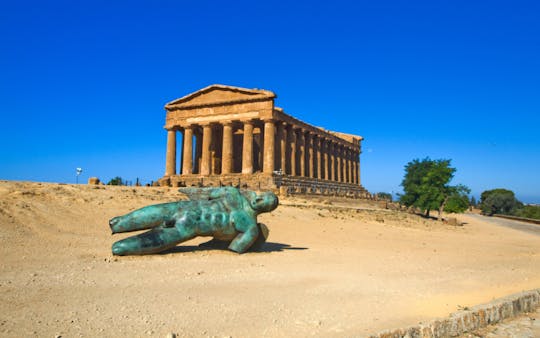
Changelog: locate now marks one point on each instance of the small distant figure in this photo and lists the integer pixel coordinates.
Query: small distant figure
(225, 213)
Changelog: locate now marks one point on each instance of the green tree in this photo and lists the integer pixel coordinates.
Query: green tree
(473, 202)
(426, 185)
(116, 181)
(384, 196)
(529, 211)
(458, 201)
(499, 201)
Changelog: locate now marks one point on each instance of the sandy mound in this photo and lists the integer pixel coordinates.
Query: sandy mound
(327, 270)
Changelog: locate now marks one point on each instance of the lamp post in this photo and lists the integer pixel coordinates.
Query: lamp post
(79, 171)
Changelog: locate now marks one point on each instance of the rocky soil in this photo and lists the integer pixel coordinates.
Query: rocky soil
(330, 268)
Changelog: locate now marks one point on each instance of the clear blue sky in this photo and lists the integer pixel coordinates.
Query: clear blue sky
(83, 83)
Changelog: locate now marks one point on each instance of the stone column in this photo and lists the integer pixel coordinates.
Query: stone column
(187, 153)
(170, 162)
(350, 165)
(269, 146)
(358, 179)
(247, 148)
(326, 150)
(355, 167)
(302, 149)
(345, 164)
(332, 162)
(282, 136)
(206, 142)
(353, 162)
(318, 144)
(339, 162)
(227, 148)
(309, 144)
(198, 151)
(292, 145)
(358, 170)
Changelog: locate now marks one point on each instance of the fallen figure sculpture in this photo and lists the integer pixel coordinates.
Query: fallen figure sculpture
(225, 213)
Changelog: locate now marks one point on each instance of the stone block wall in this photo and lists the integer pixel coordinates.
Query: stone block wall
(291, 185)
(466, 321)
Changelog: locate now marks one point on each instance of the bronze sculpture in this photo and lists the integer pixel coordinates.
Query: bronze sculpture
(225, 213)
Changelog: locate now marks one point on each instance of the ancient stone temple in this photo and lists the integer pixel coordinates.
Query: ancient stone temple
(236, 136)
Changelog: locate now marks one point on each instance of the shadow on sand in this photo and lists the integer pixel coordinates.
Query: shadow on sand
(222, 245)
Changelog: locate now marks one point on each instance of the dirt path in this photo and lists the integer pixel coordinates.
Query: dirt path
(324, 272)
(517, 225)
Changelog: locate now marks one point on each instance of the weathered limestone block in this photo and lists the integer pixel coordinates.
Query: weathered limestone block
(93, 181)
(453, 221)
(426, 332)
(466, 321)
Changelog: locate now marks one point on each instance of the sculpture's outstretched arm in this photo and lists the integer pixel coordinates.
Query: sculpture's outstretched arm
(156, 240)
(144, 218)
(207, 193)
(248, 232)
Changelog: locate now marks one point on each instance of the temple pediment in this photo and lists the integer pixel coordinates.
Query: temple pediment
(219, 95)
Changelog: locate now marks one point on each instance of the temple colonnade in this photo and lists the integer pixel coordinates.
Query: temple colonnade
(269, 146)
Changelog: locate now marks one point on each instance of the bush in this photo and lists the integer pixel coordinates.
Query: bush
(457, 203)
(529, 211)
(473, 202)
(116, 181)
(426, 186)
(384, 196)
(499, 201)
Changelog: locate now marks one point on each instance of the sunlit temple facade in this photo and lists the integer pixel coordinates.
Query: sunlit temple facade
(236, 136)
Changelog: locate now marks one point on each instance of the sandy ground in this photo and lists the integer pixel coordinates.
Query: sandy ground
(324, 272)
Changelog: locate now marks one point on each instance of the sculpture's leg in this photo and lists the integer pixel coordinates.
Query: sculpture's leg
(144, 218)
(244, 240)
(261, 239)
(155, 240)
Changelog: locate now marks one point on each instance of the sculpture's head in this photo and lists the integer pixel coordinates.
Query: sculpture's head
(264, 202)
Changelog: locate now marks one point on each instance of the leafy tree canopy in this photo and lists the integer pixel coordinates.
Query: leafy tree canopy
(426, 185)
(473, 202)
(529, 211)
(499, 201)
(384, 196)
(116, 181)
(458, 200)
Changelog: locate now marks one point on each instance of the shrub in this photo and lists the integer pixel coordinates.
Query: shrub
(499, 201)
(116, 181)
(384, 196)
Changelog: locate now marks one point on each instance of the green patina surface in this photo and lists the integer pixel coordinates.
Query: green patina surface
(225, 213)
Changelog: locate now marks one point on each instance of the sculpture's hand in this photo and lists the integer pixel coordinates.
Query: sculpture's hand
(162, 218)
(145, 218)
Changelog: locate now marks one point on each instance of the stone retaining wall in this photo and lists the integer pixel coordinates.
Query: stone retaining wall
(465, 321)
(522, 219)
(312, 186)
(284, 184)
